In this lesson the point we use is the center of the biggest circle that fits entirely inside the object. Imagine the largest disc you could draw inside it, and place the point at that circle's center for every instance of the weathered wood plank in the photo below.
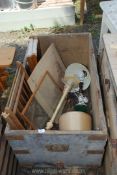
(6, 157)
(99, 122)
(95, 151)
(50, 148)
(10, 164)
(107, 65)
(110, 162)
(21, 151)
(48, 93)
(13, 137)
(6, 161)
(96, 137)
(6, 56)
(110, 42)
(109, 98)
(3, 146)
(50, 58)
(15, 164)
(71, 47)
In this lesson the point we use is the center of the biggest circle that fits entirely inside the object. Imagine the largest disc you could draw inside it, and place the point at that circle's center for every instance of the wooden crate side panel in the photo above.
(6, 161)
(110, 162)
(3, 146)
(70, 149)
(110, 42)
(15, 165)
(110, 103)
(6, 158)
(10, 165)
(99, 122)
(71, 47)
(109, 98)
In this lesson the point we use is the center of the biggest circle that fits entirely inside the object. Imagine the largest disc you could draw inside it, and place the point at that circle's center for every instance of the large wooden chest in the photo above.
(70, 148)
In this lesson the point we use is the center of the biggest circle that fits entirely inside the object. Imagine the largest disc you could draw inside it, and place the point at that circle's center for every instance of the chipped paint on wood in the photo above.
(51, 148)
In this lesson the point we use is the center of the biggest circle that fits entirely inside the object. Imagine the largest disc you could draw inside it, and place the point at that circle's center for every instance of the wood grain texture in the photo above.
(48, 94)
(21, 151)
(70, 148)
(6, 158)
(109, 97)
(3, 146)
(14, 119)
(20, 137)
(99, 122)
(50, 62)
(6, 56)
(10, 164)
(19, 95)
(108, 62)
(15, 164)
(6, 161)
(110, 162)
(72, 48)
(110, 42)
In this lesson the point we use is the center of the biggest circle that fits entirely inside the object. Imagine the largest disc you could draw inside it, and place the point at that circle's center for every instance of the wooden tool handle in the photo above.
(67, 88)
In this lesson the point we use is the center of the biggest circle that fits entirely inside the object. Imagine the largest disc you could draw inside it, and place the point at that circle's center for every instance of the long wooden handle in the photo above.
(49, 125)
